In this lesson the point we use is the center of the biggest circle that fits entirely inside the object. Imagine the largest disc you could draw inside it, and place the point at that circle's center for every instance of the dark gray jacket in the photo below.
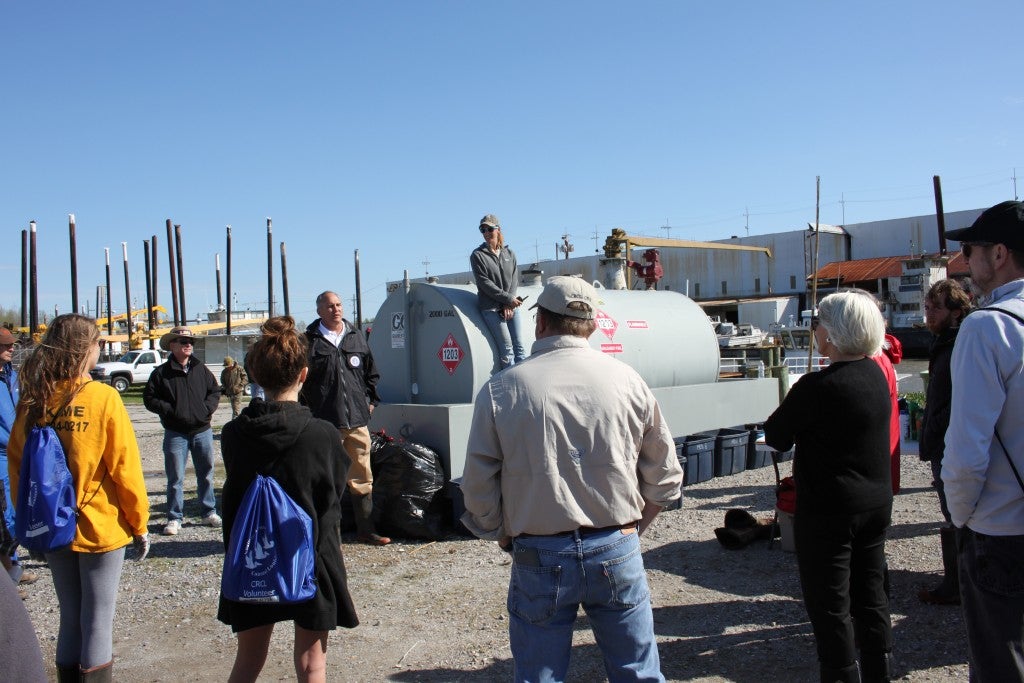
(185, 401)
(497, 277)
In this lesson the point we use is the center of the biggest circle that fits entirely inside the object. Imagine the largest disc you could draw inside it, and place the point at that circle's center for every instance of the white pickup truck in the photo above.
(133, 367)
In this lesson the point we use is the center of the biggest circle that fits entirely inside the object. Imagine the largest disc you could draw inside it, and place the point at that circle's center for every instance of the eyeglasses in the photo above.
(184, 341)
(488, 228)
(968, 247)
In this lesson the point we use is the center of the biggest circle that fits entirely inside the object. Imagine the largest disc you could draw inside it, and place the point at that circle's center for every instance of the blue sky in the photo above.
(392, 127)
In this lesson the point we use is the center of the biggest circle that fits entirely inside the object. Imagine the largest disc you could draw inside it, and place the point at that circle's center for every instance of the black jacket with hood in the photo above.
(185, 401)
(342, 381)
(282, 439)
(939, 398)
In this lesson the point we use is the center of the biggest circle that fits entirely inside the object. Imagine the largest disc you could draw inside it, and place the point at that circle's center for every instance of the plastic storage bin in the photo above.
(759, 454)
(730, 453)
(695, 453)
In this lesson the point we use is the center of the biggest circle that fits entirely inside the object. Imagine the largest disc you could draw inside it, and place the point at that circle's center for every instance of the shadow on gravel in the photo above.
(901, 531)
(176, 549)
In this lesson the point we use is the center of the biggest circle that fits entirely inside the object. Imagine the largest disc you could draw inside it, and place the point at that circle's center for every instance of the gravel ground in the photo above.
(436, 611)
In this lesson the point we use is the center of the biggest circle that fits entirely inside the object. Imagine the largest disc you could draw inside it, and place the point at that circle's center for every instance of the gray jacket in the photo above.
(497, 277)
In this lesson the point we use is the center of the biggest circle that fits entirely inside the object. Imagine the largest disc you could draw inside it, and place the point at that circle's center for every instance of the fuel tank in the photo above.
(432, 346)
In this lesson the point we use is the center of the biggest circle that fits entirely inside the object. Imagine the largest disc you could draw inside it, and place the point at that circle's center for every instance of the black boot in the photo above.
(68, 673)
(847, 674)
(875, 667)
(102, 673)
(366, 532)
(947, 592)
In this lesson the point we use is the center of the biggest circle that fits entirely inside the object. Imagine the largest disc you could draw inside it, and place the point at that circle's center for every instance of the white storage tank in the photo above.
(432, 346)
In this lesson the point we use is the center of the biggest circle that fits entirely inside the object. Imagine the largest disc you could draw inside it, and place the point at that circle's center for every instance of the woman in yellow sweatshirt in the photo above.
(103, 456)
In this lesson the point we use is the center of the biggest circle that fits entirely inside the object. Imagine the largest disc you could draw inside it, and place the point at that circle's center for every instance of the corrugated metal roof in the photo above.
(861, 270)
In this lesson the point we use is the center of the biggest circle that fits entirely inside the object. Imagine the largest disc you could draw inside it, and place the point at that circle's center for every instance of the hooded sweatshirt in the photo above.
(282, 439)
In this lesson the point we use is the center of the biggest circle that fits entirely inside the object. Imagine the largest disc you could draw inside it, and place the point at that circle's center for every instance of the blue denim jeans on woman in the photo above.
(603, 572)
(507, 336)
(176, 449)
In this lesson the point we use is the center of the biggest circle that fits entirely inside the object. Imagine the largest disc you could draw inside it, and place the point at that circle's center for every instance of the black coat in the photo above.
(185, 401)
(305, 456)
(342, 382)
(839, 420)
(939, 397)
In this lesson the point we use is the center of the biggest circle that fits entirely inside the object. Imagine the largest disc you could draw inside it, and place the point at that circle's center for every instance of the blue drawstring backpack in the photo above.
(270, 555)
(46, 516)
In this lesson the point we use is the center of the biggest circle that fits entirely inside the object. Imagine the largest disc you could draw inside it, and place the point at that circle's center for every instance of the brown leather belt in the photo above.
(585, 530)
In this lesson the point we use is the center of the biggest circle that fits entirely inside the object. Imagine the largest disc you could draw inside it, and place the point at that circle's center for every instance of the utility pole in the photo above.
(567, 246)
(746, 220)
(668, 229)
(597, 236)
(426, 267)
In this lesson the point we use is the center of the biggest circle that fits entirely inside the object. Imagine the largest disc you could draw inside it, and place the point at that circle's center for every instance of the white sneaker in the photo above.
(213, 519)
(172, 528)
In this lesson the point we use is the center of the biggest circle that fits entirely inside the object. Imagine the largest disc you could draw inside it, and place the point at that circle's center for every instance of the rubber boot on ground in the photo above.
(875, 667)
(362, 510)
(947, 592)
(847, 674)
(68, 673)
(102, 673)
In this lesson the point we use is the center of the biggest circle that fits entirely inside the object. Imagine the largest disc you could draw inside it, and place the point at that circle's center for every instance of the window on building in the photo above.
(792, 281)
(696, 290)
(725, 287)
(757, 285)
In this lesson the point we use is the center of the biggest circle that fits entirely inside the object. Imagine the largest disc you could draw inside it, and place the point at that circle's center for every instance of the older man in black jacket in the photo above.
(342, 388)
(185, 394)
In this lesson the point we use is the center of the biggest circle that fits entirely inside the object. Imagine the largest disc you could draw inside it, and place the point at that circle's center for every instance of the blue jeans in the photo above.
(9, 510)
(176, 448)
(992, 601)
(507, 335)
(602, 571)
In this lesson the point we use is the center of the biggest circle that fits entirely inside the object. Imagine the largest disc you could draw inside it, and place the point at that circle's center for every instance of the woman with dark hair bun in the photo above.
(280, 437)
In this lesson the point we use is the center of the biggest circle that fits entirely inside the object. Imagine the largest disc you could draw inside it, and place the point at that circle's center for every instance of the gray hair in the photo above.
(853, 321)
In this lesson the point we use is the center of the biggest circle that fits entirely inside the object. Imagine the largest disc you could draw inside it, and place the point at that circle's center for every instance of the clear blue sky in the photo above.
(392, 127)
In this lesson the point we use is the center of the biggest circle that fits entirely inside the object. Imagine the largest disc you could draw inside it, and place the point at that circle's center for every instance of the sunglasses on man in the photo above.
(184, 341)
(968, 247)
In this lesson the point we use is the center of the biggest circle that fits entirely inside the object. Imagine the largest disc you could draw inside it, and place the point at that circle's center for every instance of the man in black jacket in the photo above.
(185, 394)
(341, 387)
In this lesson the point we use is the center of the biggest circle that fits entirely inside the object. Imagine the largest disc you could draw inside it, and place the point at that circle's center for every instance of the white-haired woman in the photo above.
(839, 420)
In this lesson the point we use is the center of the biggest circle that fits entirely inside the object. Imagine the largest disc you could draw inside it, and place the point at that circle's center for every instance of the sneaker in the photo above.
(172, 528)
(213, 519)
(28, 578)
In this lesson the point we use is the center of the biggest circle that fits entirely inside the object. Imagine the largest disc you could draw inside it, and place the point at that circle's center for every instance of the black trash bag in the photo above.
(408, 489)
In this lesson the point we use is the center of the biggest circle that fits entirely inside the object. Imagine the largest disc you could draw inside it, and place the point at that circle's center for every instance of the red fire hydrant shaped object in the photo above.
(651, 271)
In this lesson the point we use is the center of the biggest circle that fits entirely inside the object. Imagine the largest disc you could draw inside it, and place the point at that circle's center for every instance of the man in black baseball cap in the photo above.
(984, 453)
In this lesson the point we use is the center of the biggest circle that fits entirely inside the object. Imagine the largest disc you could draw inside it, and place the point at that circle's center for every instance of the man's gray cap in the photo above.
(561, 290)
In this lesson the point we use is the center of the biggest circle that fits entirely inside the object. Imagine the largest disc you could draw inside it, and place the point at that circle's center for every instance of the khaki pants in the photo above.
(356, 443)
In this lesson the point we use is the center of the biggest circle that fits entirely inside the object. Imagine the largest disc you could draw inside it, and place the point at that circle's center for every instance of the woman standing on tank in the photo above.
(304, 454)
(497, 279)
(103, 457)
(839, 420)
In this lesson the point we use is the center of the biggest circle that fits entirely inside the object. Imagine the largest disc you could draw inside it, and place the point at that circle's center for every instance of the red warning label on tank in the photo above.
(611, 348)
(450, 354)
(606, 324)
(636, 324)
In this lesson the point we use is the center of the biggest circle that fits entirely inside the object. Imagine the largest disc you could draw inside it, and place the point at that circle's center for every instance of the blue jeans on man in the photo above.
(603, 572)
(992, 601)
(176, 450)
(507, 335)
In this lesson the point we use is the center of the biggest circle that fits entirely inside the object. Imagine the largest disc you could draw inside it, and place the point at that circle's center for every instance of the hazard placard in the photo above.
(450, 354)
(606, 324)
